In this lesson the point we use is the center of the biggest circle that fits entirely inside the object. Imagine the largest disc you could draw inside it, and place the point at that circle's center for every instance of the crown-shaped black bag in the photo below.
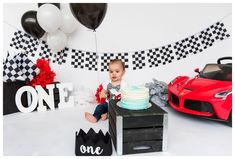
(92, 143)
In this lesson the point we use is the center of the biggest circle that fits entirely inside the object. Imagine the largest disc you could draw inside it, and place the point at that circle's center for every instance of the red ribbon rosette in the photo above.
(118, 97)
(97, 94)
(46, 75)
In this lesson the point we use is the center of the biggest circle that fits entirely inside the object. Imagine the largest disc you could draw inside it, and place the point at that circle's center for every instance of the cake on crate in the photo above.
(138, 131)
(135, 98)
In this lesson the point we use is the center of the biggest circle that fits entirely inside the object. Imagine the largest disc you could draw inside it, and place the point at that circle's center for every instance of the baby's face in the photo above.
(116, 72)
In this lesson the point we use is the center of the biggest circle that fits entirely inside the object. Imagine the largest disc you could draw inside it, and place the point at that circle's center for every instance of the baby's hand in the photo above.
(103, 94)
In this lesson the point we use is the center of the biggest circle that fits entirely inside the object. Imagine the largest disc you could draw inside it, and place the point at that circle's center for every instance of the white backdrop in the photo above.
(126, 28)
(132, 27)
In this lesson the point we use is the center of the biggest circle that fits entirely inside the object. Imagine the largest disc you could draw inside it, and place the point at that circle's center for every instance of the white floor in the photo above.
(53, 133)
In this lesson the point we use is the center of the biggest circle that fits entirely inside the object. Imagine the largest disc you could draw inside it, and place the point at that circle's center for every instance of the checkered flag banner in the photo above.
(24, 42)
(45, 52)
(10, 70)
(91, 61)
(160, 56)
(187, 46)
(60, 57)
(213, 33)
(84, 59)
(27, 67)
(107, 57)
(219, 31)
(138, 60)
(78, 59)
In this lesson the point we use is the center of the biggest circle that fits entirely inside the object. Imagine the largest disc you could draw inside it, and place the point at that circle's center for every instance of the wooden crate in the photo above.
(138, 131)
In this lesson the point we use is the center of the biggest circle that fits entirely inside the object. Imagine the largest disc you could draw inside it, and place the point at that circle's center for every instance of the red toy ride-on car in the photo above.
(209, 94)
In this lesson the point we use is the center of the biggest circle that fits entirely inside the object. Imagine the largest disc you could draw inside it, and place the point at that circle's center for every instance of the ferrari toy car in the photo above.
(208, 94)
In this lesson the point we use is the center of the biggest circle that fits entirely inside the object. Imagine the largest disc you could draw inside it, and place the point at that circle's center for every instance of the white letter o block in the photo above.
(34, 99)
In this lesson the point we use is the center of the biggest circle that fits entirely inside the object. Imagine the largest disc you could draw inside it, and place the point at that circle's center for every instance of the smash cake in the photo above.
(135, 98)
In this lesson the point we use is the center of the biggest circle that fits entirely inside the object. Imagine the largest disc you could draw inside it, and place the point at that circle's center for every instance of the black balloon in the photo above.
(89, 14)
(30, 24)
(56, 4)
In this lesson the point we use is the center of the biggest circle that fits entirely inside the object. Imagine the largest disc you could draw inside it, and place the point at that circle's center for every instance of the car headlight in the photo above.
(223, 94)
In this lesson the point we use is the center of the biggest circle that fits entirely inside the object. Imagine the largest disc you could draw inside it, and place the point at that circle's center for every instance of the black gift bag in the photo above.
(9, 92)
(92, 143)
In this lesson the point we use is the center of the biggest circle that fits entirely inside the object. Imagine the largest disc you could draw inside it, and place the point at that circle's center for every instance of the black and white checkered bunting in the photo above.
(206, 38)
(107, 57)
(25, 42)
(27, 67)
(190, 45)
(77, 58)
(45, 52)
(60, 57)
(91, 61)
(180, 49)
(124, 57)
(105, 60)
(162, 55)
(10, 70)
(193, 44)
(219, 31)
(138, 60)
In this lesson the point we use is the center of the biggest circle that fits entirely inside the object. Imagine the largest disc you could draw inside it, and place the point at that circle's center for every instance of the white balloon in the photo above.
(49, 17)
(56, 40)
(69, 23)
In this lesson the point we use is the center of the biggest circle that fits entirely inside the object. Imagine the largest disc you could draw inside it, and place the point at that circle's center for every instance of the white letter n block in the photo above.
(48, 98)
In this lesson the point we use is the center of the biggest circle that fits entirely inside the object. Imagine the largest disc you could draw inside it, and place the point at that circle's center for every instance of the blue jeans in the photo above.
(100, 109)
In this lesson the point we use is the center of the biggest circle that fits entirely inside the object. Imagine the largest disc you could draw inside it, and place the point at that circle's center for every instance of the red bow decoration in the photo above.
(97, 94)
(46, 75)
(118, 97)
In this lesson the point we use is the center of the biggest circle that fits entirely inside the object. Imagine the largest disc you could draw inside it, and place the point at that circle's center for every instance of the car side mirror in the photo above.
(196, 70)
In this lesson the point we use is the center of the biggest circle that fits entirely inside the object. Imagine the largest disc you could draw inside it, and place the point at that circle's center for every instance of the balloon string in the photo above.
(96, 50)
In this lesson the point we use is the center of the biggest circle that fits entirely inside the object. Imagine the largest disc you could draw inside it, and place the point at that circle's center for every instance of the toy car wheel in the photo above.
(229, 121)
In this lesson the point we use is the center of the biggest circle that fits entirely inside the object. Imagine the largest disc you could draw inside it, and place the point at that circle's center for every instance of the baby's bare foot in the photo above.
(104, 116)
(90, 117)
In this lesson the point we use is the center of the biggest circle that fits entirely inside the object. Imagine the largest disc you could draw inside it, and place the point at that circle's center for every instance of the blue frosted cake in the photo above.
(135, 98)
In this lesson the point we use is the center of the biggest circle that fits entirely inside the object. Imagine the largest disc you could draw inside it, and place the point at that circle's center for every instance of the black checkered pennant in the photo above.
(219, 31)
(138, 60)
(105, 60)
(107, 57)
(11, 70)
(78, 59)
(91, 61)
(25, 42)
(122, 56)
(60, 57)
(45, 52)
(206, 38)
(193, 44)
(190, 45)
(161, 55)
(28, 68)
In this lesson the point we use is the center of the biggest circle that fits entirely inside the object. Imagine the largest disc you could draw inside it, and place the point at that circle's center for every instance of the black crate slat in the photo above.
(113, 137)
(112, 124)
(155, 146)
(143, 121)
(142, 134)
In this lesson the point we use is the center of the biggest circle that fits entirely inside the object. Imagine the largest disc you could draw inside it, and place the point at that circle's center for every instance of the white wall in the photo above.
(133, 27)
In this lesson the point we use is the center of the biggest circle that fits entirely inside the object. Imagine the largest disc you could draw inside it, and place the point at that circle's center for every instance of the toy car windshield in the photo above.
(222, 72)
